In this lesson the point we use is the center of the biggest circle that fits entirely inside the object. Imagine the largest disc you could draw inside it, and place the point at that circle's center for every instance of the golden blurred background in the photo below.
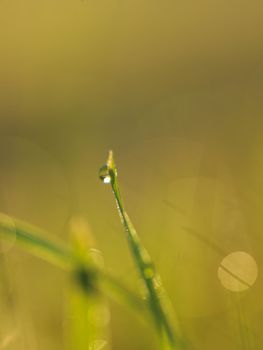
(175, 89)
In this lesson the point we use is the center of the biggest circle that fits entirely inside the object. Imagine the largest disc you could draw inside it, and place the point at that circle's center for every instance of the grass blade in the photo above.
(36, 242)
(155, 292)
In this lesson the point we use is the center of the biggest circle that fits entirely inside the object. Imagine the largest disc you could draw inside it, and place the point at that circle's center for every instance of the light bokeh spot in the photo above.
(238, 271)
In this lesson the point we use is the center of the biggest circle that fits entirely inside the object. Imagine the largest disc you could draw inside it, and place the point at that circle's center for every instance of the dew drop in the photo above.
(98, 344)
(107, 179)
(148, 273)
(142, 289)
(104, 174)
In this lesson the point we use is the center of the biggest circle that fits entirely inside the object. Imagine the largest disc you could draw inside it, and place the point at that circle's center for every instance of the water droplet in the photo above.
(98, 344)
(148, 273)
(104, 174)
(142, 289)
(157, 282)
(107, 179)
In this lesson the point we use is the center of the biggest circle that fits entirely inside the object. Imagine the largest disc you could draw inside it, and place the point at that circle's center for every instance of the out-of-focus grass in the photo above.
(87, 309)
(85, 302)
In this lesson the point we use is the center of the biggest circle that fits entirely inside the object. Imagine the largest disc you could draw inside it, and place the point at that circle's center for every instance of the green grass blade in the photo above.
(145, 266)
(36, 242)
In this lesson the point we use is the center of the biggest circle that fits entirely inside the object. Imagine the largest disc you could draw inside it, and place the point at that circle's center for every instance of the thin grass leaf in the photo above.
(36, 242)
(156, 296)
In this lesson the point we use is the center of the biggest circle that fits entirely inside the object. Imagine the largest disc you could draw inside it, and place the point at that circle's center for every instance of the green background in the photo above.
(175, 89)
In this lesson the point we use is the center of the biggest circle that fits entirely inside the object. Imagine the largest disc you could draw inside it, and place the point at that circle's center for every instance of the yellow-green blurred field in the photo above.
(176, 90)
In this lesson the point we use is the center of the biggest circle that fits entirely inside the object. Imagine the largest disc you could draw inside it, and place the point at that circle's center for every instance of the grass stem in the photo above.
(37, 243)
(155, 292)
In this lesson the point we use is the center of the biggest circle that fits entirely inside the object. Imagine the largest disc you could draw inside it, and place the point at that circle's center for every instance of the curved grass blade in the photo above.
(155, 292)
(36, 242)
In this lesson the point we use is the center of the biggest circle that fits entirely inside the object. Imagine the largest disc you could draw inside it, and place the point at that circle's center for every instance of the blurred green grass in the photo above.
(176, 87)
